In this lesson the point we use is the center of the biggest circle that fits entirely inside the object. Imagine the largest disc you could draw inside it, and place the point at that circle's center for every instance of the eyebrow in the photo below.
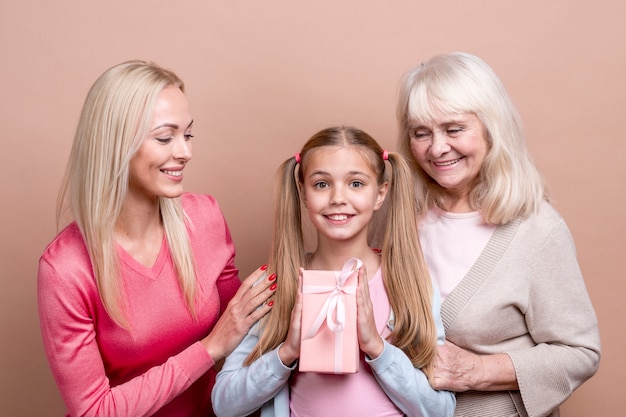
(320, 172)
(172, 125)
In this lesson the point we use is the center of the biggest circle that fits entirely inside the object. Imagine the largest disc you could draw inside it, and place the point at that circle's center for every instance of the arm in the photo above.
(240, 390)
(404, 384)
(71, 345)
(76, 333)
(460, 370)
(563, 325)
(408, 386)
(545, 340)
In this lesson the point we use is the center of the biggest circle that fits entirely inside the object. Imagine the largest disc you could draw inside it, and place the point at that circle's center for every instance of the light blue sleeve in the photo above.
(239, 390)
(408, 386)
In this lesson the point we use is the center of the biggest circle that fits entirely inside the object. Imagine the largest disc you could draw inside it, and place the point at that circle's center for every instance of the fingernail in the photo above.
(263, 267)
(272, 277)
(271, 303)
(273, 287)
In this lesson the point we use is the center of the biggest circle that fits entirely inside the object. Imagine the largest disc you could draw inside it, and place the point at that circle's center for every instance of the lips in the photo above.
(338, 217)
(176, 173)
(446, 163)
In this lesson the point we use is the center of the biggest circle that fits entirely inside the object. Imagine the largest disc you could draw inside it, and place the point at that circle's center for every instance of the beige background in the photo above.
(262, 77)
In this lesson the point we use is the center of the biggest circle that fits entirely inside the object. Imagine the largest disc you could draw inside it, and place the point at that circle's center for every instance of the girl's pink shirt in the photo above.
(361, 395)
(157, 366)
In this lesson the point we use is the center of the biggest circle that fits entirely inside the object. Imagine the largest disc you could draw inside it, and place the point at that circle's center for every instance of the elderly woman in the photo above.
(521, 332)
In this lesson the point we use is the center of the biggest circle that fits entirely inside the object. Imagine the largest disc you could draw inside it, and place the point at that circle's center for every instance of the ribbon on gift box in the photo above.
(333, 310)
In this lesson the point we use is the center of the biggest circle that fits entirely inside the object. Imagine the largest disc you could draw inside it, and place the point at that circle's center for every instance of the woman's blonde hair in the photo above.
(405, 274)
(114, 120)
(509, 184)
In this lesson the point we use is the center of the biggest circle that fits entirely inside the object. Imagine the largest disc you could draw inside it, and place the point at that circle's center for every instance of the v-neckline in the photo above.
(151, 272)
(478, 273)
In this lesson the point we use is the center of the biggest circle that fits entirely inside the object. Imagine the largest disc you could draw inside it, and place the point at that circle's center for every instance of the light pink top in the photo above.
(356, 394)
(451, 243)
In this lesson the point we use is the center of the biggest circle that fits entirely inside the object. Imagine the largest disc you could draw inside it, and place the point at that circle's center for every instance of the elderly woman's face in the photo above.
(452, 150)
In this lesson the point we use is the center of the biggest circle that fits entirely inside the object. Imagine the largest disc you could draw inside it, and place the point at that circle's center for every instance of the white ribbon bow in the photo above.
(333, 310)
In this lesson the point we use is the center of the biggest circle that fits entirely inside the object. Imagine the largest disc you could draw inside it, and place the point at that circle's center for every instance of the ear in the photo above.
(382, 194)
(302, 194)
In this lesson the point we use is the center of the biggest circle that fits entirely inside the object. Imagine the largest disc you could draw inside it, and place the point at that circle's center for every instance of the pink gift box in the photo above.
(329, 341)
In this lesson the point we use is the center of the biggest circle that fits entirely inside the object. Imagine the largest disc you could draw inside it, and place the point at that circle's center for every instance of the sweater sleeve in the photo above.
(408, 386)
(562, 323)
(70, 342)
(240, 390)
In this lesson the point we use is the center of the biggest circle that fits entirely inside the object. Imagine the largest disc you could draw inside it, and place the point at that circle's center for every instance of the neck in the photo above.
(139, 220)
(332, 255)
(457, 204)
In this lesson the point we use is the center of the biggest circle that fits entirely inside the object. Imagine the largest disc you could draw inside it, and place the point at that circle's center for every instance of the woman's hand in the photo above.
(370, 342)
(289, 351)
(459, 370)
(244, 309)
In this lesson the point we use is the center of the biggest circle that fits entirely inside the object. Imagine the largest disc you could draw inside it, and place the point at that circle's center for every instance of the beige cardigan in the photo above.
(525, 296)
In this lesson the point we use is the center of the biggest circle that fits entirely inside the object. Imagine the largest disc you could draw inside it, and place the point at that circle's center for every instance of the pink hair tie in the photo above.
(297, 156)
(385, 155)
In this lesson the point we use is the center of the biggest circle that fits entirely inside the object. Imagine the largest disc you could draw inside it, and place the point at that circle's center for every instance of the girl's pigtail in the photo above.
(286, 257)
(406, 275)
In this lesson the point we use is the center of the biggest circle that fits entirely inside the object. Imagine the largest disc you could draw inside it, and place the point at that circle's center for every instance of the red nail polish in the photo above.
(271, 277)
(271, 303)
(263, 267)
(273, 287)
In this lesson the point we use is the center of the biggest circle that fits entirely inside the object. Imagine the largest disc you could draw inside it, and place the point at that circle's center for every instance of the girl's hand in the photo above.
(289, 351)
(244, 309)
(370, 342)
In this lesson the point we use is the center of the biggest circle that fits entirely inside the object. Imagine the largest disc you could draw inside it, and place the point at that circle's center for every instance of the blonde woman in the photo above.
(139, 295)
(521, 332)
(340, 177)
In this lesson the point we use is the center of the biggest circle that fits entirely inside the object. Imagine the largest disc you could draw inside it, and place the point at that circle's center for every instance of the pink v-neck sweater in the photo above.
(157, 367)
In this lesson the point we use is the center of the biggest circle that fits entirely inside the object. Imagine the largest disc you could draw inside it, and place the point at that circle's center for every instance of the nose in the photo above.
(439, 145)
(182, 149)
(337, 195)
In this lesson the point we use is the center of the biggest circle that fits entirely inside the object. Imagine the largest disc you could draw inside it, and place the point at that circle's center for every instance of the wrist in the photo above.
(287, 355)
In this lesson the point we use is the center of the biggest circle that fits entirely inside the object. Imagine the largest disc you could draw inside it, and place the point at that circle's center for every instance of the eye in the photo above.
(164, 140)
(321, 184)
(454, 130)
(188, 136)
(419, 134)
(356, 184)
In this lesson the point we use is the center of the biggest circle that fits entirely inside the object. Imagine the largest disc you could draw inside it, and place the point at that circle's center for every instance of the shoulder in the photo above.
(67, 247)
(193, 202)
(66, 261)
(546, 225)
(201, 206)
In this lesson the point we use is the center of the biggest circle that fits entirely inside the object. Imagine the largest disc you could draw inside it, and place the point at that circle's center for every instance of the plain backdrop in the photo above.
(263, 76)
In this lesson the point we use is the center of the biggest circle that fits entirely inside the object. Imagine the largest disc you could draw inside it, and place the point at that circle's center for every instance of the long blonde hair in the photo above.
(114, 120)
(509, 184)
(406, 276)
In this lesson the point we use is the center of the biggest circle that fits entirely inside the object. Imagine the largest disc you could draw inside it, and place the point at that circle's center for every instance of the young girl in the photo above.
(340, 177)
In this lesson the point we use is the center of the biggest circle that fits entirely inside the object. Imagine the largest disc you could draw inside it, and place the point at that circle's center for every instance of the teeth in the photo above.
(445, 164)
(174, 173)
(338, 217)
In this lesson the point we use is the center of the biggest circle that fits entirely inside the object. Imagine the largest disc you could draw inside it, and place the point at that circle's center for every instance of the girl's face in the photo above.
(156, 170)
(340, 192)
(452, 150)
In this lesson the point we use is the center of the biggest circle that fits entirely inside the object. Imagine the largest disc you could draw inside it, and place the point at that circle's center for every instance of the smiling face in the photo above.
(341, 192)
(156, 170)
(451, 150)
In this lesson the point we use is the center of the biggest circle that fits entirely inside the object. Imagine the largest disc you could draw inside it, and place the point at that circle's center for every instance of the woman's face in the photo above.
(451, 150)
(156, 170)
